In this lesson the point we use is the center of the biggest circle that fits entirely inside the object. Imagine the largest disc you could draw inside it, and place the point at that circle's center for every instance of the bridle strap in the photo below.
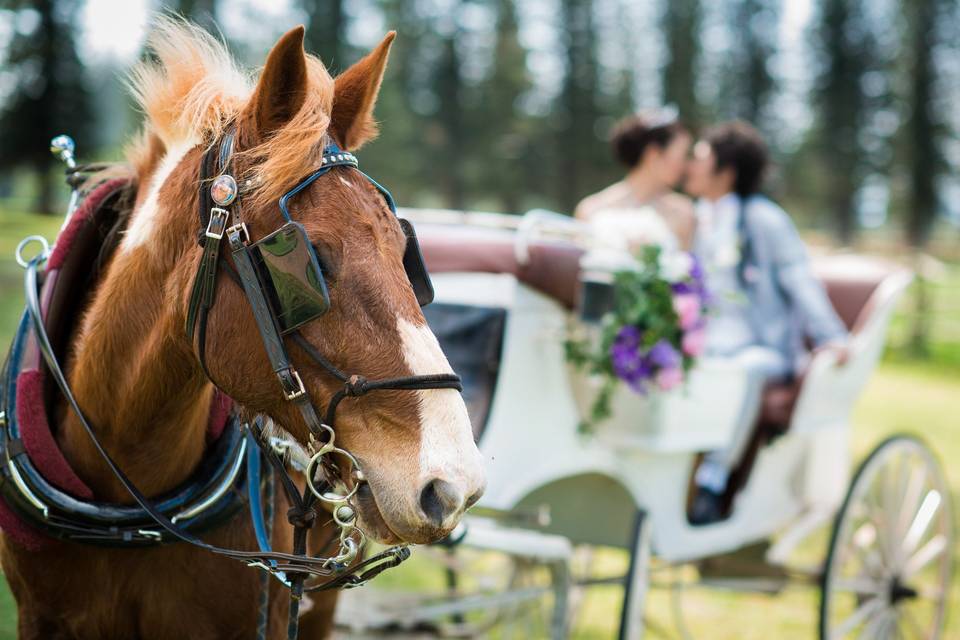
(283, 561)
(244, 273)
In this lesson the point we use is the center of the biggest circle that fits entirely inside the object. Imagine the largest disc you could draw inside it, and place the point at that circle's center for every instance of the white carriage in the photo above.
(506, 292)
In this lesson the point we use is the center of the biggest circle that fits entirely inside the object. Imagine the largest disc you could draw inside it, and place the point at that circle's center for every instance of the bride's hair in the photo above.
(630, 137)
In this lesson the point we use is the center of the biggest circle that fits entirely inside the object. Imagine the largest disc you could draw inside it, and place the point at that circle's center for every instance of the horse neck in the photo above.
(132, 370)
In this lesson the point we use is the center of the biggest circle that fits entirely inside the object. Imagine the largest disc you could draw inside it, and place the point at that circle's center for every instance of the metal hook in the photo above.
(40, 256)
(329, 497)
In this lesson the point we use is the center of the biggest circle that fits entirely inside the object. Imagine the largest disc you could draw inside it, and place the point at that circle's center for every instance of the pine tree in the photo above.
(578, 148)
(927, 24)
(680, 24)
(326, 34)
(506, 132)
(50, 94)
(923, 128)
(749, 84)
(201, 12)
(450, 141)
(848, 51)
(399, 157)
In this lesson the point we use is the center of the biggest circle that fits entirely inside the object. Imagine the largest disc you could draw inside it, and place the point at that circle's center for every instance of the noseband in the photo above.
(279, 308)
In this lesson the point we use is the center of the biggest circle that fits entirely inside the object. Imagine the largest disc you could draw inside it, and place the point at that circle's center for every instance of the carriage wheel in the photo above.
(888, 567)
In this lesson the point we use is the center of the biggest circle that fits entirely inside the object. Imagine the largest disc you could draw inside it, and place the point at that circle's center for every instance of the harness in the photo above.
(283, 281)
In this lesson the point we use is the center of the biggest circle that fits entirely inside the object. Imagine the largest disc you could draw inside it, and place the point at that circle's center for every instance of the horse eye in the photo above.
(326, 262)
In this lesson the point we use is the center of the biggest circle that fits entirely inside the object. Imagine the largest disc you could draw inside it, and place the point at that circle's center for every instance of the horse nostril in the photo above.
(439, 500)
(472, 500)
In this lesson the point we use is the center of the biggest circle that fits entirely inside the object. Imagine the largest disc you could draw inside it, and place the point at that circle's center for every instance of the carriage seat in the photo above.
(851, 282)
(551, 267)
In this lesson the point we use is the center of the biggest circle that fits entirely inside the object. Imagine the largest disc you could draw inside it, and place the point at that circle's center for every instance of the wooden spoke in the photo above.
(928, 509)
(862, 614)
(927, 554)
(859, 585)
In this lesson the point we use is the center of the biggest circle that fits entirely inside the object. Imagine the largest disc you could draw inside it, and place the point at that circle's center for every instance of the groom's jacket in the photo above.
(787, 303)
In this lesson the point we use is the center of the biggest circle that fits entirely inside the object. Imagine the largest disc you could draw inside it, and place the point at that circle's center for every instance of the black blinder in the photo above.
(291, 276)
(415, 267)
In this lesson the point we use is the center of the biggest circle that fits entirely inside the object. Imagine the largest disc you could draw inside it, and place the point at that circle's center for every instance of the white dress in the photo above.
(629, 229)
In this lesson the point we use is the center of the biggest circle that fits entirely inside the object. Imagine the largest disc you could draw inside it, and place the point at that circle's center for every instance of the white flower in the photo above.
(608, 261)
(727, 256)
(675, 265)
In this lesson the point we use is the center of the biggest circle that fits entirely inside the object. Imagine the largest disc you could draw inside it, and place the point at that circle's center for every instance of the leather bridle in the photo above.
(323, 475)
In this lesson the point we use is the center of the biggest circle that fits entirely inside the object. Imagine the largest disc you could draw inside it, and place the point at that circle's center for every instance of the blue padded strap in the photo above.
(333, 156)
(256, 506)
(383, 191)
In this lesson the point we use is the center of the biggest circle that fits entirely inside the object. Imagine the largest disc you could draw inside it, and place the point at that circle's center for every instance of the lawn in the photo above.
(923, 398)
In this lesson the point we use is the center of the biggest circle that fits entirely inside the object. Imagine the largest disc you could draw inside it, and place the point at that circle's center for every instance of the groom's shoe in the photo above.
(707, 507)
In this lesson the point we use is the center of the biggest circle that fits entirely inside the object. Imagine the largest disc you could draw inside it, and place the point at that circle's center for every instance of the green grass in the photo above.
(922, 397)
(14, 226)
(899, 398)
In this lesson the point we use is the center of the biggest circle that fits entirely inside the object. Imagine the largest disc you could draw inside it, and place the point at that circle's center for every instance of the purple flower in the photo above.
(663, 355)
(695, 283)
(628, 363)
(696, 270)
(628, 335)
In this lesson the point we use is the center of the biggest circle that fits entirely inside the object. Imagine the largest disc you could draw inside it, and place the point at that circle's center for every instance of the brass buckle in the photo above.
(294, 377)
(218, 223)
(241, 230)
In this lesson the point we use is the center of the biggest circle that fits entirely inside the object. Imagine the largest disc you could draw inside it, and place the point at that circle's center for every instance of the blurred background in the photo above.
(505, 105)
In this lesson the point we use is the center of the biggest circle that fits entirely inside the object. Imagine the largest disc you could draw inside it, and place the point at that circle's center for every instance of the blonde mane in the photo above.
(191, 91)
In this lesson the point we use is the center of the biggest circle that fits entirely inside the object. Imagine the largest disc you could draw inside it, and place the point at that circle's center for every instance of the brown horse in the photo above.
(139, 381)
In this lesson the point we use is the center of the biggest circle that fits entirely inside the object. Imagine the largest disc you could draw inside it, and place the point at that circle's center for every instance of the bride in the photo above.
(643, 208)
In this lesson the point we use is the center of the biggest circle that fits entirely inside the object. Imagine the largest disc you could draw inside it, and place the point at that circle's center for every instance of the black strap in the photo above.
(284, 561)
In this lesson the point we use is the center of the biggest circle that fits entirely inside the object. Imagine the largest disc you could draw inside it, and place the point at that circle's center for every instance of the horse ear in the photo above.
(355, 93)
(282, 88)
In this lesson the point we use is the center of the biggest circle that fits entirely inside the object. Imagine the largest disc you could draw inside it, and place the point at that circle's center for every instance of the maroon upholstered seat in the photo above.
(552, 268)
(851, 282)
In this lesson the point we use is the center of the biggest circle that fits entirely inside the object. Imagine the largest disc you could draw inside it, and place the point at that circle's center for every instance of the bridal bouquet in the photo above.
(655, 330)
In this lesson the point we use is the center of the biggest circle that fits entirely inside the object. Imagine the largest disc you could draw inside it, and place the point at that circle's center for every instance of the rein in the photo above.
(322, 474)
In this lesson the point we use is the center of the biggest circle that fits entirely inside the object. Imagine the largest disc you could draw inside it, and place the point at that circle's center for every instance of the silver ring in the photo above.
(26, 242)
(329, 497)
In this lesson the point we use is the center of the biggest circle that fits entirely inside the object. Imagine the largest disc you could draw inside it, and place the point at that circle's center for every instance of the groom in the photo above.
(766, 299)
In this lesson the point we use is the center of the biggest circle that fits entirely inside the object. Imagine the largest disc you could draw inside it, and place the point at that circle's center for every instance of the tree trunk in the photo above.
(45, 189)
(919, 344)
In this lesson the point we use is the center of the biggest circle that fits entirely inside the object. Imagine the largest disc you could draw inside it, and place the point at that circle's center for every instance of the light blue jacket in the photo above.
(787, 303)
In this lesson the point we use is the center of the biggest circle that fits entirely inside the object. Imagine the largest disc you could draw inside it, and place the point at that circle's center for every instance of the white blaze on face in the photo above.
(447, 450)
(144, 223)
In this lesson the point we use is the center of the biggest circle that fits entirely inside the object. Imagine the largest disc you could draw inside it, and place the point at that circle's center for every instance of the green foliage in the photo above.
(202, 12)
(642, 299)
(749, 83)
(848, 53)
(49, 95)
(326, 22)
(680, 24)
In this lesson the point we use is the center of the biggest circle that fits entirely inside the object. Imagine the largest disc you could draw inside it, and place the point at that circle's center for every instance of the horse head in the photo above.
(421, 466)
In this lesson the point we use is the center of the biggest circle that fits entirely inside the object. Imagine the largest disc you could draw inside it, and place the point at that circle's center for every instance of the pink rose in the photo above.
(687, 307)
(694, 342)
(669, 378)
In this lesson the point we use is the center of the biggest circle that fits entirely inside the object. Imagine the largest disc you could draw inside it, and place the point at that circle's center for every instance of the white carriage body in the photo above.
(642, 458)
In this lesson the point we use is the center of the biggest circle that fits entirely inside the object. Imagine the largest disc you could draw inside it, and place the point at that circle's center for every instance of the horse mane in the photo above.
(191, 90)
